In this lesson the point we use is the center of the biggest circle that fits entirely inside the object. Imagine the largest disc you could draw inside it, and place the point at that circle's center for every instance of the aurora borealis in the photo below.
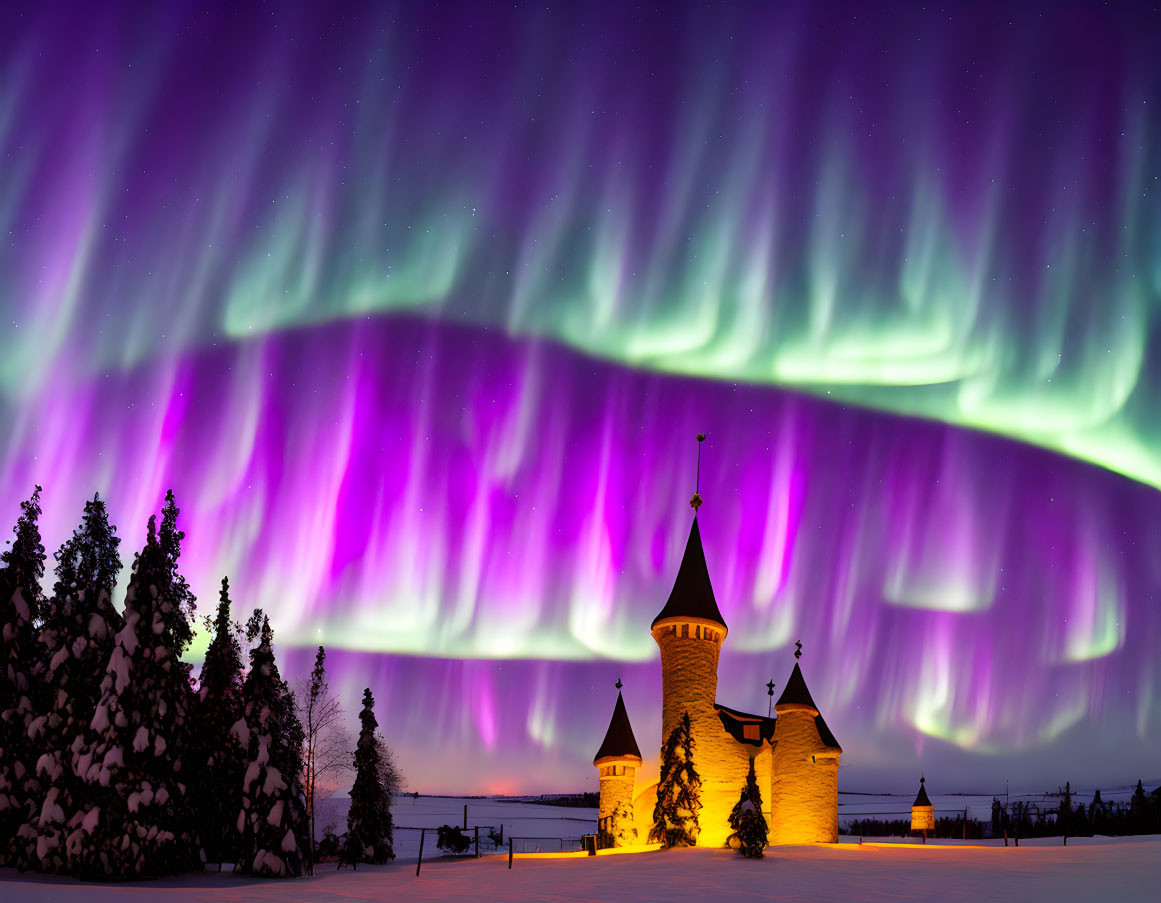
(418, 310)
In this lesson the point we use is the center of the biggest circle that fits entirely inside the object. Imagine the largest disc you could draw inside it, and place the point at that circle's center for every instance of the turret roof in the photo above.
(619, 739)
(921, 798)
(692, 595)
(825, 735)
(796, 692)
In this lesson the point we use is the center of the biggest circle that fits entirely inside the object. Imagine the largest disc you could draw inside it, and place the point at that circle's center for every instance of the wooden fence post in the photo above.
(509, 852)
(419, 861)
(477, 841)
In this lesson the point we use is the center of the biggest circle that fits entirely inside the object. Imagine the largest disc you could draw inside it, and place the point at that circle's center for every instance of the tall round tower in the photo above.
(617, 762)
(804, 784)
(690, 630)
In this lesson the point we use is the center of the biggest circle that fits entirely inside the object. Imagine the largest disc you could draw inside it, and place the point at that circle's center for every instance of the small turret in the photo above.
(804, 785)
(922, 812)
(617, 762)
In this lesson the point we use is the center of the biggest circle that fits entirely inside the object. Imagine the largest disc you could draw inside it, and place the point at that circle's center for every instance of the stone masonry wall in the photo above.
(804, 790)
(618, 790)
(689, 684)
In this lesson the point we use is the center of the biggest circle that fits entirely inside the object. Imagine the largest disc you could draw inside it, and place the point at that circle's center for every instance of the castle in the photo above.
(796, 757)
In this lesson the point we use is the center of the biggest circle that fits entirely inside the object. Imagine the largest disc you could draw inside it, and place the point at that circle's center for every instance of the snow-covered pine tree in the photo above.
(76, 640)
(135, 819)
(678, 791)
(369, 825)
(221, 759)
(621, 831)
(178, 591)
(21, 604)
(273, 812)
(750, 831)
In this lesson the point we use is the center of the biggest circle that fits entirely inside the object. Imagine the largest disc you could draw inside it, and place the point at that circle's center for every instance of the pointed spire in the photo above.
(692, 595)
(619, 741)
(796, 695)
(921, 798)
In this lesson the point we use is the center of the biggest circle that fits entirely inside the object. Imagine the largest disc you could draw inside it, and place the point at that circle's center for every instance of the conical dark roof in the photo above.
(921, 798)
(619, 739)
(796, 692)
(692, 595)
(825, 735)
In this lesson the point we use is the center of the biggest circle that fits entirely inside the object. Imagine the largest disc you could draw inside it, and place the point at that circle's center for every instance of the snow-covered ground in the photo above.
(535, 827)
(1042, 869)
(1121, 870)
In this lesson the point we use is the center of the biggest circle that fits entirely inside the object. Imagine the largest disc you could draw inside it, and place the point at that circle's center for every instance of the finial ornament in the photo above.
(619, 684)
(921, 779)
(798, 650)
(770, 687)
(695, 502)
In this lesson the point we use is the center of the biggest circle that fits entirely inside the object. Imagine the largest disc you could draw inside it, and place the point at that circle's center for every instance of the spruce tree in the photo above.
(76, 640)
(369, 825)
(747, 822)
(21, 605)
(221, 759)
(273, 814)
(675, 821)
(1139, 810)
(135, 821)
(1097, 813)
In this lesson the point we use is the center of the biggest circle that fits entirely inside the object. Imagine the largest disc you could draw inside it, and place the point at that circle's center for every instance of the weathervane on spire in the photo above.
(695, 502)
(770, 693)
(619, 684)
(798, 650)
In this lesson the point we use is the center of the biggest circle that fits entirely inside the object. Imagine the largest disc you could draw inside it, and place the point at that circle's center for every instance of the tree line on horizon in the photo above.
(116, 763)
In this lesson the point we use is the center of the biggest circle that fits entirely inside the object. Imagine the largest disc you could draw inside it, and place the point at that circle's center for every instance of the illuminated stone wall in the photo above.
(617, 777)
(922, 818)
(804, 788)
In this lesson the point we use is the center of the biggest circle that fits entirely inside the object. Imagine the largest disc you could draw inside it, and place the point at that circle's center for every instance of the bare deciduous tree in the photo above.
(328, 744)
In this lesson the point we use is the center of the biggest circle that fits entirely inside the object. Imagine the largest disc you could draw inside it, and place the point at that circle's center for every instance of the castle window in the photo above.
(750, 731)
(685, 630)
(697, 632)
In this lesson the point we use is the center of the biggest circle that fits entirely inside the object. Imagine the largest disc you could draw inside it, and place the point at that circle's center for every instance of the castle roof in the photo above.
(796, 693)
(825, 735)
(921, 798)
(619, 739)
(692, 595)
(735, 722)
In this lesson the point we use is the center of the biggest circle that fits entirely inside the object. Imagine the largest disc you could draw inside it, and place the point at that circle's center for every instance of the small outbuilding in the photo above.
(922, 812)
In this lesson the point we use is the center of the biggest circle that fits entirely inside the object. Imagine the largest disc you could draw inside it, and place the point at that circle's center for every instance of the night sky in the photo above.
(418, 309)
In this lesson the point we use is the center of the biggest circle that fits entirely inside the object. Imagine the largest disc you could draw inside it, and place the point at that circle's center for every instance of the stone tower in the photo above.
(922, 812)
(804, 786)
(617, 762)
(690, 631)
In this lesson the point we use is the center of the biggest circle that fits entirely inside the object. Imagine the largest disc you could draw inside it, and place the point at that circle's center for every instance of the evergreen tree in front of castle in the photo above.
(135, 819)
(619, 830)
(76, 640)
(21, 604)
(369, 824)
(749, 827)
(273, 807)
(221, 759)
(675, 816)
